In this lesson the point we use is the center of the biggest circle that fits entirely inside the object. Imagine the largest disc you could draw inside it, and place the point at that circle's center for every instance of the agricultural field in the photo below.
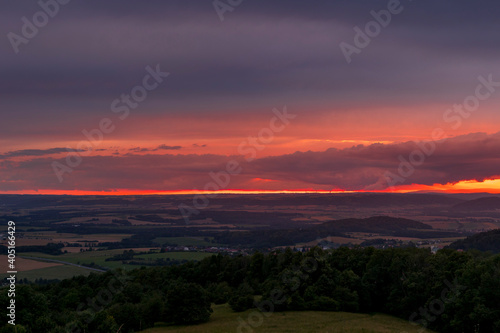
(175, 255)
(186, 241)
(34, 237)
(225, 320)
(58, 272)
(40, 269)
(24, 264)
(84, 258)
(36, 269)
(333, 239)
(87, 257)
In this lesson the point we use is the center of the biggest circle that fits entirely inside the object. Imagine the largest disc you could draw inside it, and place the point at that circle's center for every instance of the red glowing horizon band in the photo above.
(491, 186)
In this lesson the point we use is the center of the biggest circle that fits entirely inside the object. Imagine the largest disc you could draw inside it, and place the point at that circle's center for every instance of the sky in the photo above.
(124, 96)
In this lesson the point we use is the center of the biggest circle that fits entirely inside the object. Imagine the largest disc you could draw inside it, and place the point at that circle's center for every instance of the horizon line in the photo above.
(122, 192)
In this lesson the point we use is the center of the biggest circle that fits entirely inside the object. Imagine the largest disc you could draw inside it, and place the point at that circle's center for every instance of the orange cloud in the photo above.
(463, 186)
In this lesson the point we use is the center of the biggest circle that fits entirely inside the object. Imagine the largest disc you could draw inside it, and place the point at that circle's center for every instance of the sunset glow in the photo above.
(467, 186)
(273, 91)
(464, 186)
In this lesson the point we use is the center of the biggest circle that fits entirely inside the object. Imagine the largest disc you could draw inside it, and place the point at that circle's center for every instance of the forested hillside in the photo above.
(484, 241)
(386, 225)
(449, 292)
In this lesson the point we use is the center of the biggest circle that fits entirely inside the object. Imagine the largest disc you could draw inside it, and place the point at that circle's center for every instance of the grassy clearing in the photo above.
(224, 320)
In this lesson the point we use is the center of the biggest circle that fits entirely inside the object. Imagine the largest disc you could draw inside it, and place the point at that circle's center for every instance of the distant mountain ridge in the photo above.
(384, 225)
(334, 199)
(374, 224)
(480, 204)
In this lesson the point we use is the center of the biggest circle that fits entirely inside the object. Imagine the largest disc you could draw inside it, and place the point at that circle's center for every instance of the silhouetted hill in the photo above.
(334, 199)
(484, 241)
(384, 225)
(486, 203)
(375, 224)
(339, 199)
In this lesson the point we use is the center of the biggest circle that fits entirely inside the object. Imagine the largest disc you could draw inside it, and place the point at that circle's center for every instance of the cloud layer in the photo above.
(225, 77)
(473, 156)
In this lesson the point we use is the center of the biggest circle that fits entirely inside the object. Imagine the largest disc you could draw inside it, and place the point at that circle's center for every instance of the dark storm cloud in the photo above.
(35, 152)
(99, 49)
(458, 12)
(160, 147)
(472, 156)
(165, 147)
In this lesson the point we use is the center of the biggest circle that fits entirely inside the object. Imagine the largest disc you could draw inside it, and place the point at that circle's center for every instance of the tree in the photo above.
(242, 299)
(13, 329)
(103, 323)
(151, 309)
(127, 315)
(43, 324)
(187, 303)
(220, 292)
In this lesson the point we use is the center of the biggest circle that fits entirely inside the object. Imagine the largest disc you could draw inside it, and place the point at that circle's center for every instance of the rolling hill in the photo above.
(484, 241)
(384, 225)
(480, 204)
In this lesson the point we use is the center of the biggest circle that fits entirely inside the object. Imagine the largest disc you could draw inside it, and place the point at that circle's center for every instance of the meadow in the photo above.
(224, 320)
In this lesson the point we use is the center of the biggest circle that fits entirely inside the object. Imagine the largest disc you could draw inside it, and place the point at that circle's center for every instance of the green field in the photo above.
(98, 258)
(184, 241)
(224, 320)
(176, 255)
(50, 273)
